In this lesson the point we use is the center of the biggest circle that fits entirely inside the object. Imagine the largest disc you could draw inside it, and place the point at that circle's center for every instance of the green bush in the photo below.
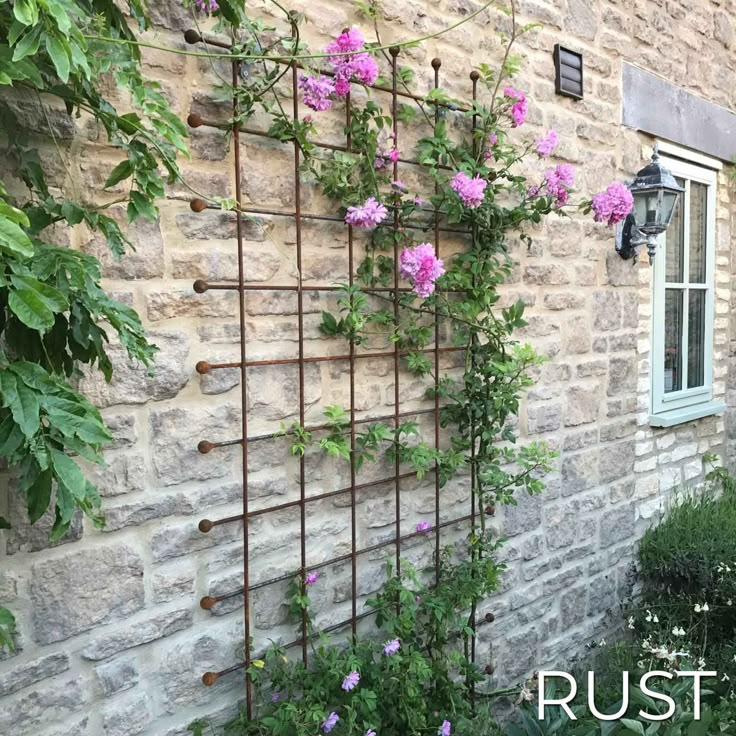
(688, 562)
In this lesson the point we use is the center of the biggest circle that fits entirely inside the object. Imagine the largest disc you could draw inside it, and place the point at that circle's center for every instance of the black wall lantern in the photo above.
(655, 191)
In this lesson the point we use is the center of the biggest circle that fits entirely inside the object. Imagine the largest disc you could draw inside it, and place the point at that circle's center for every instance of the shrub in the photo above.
(688, 562)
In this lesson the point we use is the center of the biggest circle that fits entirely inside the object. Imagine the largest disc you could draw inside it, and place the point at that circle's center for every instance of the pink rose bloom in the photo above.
(423, 527)
(558, 182)
(423, 268)
(369, 214)
(470, 191)
(547, 144)
(520, 107)
(361, 66)
(392, 155)
(613, 205)
(317, 92)
(350, 40)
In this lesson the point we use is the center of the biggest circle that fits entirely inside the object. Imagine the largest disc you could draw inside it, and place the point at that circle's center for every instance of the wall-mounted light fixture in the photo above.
(655, 191)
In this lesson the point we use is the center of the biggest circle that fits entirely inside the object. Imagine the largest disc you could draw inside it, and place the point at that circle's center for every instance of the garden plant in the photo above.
(489, 180)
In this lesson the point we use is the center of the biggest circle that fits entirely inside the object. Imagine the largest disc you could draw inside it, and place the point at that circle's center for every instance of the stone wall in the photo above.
(111, 637)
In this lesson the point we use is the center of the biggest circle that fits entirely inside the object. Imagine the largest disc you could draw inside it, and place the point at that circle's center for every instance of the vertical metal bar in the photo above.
(436, 64)
(300, 317)
(243, 392)
(474, 76)
(353, 500)
(394, 51)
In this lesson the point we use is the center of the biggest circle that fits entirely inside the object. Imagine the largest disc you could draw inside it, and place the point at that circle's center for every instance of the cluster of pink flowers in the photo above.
(520, 107)
(470, 191)
(444, 729)
(369, 214)
(352, 63)
(207, 6)
(613, 205)
(547, 143)
(421, 266)
(318, 92)
(557, 184)
(311, 578)
(356, 63)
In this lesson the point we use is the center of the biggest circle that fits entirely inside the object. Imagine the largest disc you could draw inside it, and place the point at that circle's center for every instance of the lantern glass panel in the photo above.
(669, 201)
(645, 208)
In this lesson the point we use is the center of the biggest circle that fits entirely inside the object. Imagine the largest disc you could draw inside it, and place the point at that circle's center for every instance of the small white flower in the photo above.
(631, 622)
(678, 631)
(698, 609)
(725, 678)
(701, 663)
(729, 602)
(705, 607)
(655, 619)
(648, 619)
(602, 643)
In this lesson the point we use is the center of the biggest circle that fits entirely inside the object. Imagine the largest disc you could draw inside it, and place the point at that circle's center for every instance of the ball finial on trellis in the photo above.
(192, 36)
(202, 367)
(205, 526)
(194, 120)
(205, 446)
(475, 75)
(197, 205)
(207, 602)
(209, 678)
(436, 62)
(394, 50)
(200, 286)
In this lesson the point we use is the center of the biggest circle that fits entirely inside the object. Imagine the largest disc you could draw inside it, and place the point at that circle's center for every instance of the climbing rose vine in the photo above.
(420, 679)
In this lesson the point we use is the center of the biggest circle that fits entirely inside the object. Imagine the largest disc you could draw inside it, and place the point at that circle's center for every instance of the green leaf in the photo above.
(25, 408)
(14, 239)
(58, 50)
(39, 495)
(69, 473)
(140, 205)
(35, 303)
(26, 12)
(57, 12)
(632, 725)
(122, 171)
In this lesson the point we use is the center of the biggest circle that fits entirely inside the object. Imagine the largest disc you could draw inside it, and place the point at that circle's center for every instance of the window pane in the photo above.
(674, 244)
(698, 205)
(672, 340)
(696, 338)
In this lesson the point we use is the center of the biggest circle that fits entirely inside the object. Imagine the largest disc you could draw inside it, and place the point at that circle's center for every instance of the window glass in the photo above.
(697, 244)
(673, 340)
(696, 338)
(674, 244)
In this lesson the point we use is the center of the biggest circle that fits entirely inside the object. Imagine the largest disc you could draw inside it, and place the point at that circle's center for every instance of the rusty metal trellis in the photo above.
(394, 292)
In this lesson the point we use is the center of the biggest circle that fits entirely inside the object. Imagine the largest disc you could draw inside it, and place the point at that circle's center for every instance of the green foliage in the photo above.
(689, 560)
(54, 315)
(413, 690)
(7, 628)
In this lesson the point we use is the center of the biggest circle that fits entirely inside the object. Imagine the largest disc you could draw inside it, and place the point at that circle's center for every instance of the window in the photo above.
(682, 330)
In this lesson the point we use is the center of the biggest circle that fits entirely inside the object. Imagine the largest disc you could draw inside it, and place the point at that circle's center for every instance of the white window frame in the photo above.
(668, 409)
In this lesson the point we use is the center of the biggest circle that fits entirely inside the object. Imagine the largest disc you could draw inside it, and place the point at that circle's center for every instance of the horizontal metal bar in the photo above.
(199, 205)
(191, 36)
(195, 120)
(203, 367)
(210, 678)
(206, 446)
(206, 525)
(209, 601)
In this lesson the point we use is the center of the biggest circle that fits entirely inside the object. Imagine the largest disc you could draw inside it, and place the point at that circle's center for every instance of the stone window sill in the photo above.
(686, 414)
